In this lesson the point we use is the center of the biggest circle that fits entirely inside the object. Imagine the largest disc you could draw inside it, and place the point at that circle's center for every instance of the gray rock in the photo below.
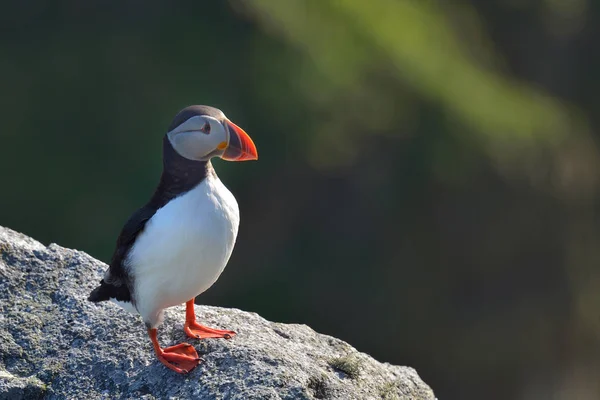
(55, 344)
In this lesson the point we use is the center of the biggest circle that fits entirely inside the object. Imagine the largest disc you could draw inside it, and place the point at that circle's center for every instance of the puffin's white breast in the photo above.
(184, 247)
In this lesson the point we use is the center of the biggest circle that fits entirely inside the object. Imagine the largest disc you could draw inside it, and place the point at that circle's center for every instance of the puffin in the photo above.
(177, 245)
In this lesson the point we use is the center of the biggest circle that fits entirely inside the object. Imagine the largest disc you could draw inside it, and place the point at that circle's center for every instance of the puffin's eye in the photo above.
(206, 128)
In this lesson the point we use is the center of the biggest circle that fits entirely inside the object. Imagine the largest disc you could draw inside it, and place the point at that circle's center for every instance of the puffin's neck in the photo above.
(180, 175)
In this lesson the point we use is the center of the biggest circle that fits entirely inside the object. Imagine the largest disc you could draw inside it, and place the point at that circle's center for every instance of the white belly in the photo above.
(183, 248)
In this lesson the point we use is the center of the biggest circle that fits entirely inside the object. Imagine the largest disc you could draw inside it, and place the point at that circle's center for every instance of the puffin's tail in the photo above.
(101, 293)
(111, 291)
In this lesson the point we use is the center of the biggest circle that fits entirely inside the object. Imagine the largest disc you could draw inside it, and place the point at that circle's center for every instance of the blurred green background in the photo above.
(428, 179)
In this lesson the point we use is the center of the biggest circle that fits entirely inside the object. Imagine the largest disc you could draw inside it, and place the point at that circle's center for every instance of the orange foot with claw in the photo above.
(194, 330)
(181, 358)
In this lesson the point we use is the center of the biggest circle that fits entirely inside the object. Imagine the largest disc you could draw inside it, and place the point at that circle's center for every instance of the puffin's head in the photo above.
(199, 133)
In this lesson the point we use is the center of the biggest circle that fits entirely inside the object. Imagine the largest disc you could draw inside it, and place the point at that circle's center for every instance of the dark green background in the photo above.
(428, 179)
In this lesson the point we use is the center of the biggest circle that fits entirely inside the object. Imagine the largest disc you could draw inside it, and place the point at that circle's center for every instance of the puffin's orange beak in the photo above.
(240, 147)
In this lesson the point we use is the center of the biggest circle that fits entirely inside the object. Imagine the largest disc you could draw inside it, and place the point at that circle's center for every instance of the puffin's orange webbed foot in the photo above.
(181, 358)
(194, 330)
(197, 331)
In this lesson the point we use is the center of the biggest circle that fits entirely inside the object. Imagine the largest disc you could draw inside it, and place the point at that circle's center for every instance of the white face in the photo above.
(199, 138)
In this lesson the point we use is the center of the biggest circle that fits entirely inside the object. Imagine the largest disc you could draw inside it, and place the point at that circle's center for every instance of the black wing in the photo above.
(117, 283)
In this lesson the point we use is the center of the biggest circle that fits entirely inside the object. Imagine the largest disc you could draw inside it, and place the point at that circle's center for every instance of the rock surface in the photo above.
(55, 345)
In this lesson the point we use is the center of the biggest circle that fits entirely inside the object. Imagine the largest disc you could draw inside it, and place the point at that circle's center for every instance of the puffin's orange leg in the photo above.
(194, 330)
(180, 358)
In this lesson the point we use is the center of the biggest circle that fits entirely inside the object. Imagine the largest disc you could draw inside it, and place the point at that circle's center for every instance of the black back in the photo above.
(179, 176)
